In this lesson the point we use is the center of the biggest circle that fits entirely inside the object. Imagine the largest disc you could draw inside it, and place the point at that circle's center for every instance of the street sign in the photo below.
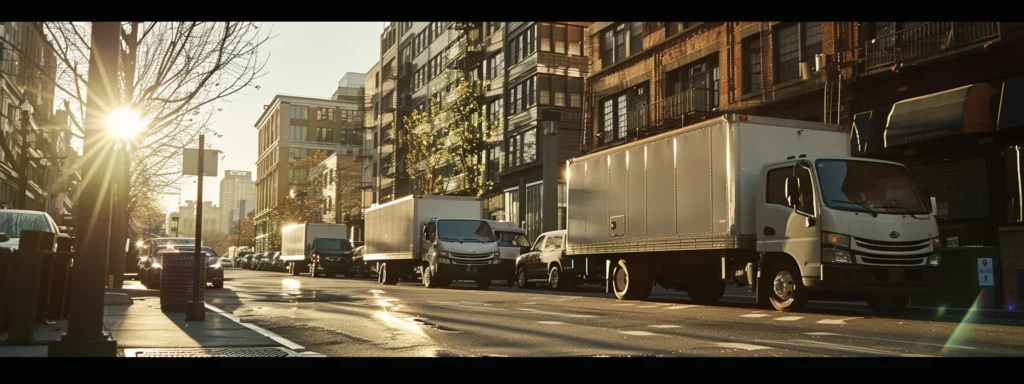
(190, 162)
(986, 274)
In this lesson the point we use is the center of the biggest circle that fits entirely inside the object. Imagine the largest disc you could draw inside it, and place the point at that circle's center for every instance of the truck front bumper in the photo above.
(335, 263)
(864, 279)
(472, 272)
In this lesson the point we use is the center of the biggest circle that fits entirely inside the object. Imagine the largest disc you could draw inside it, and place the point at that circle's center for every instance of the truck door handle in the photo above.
(769, 231)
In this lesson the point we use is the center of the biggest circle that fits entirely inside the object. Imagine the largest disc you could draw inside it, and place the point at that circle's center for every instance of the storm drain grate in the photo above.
(210, 352)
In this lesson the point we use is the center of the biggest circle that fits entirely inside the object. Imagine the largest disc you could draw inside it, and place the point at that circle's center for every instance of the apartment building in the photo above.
(379, 167)
(187, 219)
(340, 201)
(291, 128)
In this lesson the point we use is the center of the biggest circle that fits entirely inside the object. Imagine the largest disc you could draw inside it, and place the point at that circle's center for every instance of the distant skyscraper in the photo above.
(236, 187)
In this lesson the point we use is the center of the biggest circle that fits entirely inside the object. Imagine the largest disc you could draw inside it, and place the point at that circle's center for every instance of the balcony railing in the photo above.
(926, 40)
(669, 110)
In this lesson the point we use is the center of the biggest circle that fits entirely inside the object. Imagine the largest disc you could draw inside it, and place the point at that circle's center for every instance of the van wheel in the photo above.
(522, 279)
(787, 291)
(889, 305)
(387, 276)
(428, 278)
(556, 280)
(632, 281)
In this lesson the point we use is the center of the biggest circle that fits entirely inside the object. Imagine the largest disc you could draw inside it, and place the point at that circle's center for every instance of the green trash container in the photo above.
(960, 283)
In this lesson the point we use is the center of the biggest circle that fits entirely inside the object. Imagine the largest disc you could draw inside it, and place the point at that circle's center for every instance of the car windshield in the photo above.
(12, 223)
(512, 239)
(333, 245)
(465, 230)
(880, 187)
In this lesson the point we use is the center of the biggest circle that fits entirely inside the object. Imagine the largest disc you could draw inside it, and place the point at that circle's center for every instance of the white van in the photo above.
(512, 242)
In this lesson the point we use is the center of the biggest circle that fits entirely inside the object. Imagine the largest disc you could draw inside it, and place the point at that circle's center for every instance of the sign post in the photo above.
(194, 164)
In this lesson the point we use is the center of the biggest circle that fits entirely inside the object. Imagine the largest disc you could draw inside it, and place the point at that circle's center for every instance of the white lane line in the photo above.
(754, 315)
(681, 306)
(888, 340)
(271, 335)
(748, 347)
(822, 334)
(556, 313)
(624, 305)
(835, 347)
(551, 322)
(664, 326)
(638, 333)
(789, 318)
(914, 355)
(831, 321)
(531, 303)
(650, 306)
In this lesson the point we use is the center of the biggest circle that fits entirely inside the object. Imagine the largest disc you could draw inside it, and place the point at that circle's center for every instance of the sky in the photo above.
(305, 58)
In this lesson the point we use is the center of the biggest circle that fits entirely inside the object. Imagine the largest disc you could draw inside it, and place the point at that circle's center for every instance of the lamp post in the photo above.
(124, 124)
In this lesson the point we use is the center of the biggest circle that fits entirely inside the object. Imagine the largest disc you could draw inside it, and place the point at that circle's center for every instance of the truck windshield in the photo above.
(880, 187)
(465, 230)
(512, 239)
(333, 245)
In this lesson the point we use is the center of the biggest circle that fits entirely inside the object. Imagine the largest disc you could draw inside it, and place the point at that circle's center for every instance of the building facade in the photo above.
(291, 128)
(340, 200)
(187, 219)
(237, 192)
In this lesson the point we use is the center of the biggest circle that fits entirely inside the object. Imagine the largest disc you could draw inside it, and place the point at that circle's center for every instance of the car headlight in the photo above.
(216, 266)
(836, 256)
(934, 260)
(156, 265)
(835, 239)
(937, 243)
(496, 254)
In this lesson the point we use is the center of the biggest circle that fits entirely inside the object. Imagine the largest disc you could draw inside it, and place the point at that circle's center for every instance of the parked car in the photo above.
(153, 269)
(13, 221)
(359, 267)
(226, 262)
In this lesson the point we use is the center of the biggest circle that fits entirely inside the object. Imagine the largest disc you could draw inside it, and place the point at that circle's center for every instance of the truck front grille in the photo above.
(893, 246)
(465, 258)
(892, 260)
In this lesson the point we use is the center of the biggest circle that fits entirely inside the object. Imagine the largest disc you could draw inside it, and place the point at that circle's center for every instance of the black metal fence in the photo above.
(926, 40)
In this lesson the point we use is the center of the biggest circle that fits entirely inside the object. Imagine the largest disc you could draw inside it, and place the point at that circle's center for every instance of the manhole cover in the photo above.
(210, 352)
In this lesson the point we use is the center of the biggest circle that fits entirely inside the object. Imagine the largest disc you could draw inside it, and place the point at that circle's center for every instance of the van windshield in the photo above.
(881, 187)
(512, 239)
(465, 230)
(333, 245)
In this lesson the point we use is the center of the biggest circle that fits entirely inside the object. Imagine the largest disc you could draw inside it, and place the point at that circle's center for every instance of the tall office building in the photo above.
(236, 189)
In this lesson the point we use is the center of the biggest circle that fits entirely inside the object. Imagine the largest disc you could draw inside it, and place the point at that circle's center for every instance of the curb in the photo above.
(135, 292)
(929, 311)
(271, 335)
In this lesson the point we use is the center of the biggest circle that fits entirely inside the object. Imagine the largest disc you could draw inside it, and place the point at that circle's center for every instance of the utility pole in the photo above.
(85, 335)
(122, 172)
(197, 306)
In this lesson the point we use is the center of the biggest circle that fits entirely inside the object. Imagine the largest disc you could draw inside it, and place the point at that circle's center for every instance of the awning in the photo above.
(1011, 104)
(958, 111)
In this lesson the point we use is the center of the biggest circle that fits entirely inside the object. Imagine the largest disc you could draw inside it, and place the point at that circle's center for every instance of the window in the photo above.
(529, 87)
(513, 51)
(299, 153)
(608, 122)
(522, 148)
(534, 212)
(523, 96)
(615, 111)
(495, 66)
(776, 189)
(561, 37)
(636, 37)
(325, 135)
(494, 111)
(554, 242)
(529, 146)
(513, 105)
(575, 92)
(530, 35)
(298, 132)
(795, 43)
(299, 112)
(620, 41)
(621, 114)
(752, 65)
(575, 40)
(327, 114)
(696, 86)
(805, 189)
(545, 36)
(544, 88)
(494, 163)
(620, 44)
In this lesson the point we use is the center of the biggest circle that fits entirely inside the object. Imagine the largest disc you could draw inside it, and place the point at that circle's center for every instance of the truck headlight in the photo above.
(496, 254)
(937, 243)
(441, 253)
(934, 260)
(835, 239)
(836, 256)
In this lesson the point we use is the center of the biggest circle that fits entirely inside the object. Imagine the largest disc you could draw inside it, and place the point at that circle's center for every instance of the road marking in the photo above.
(664, 326)
(822, 334)
(836, 347)
(551, 322)
(529, 303)
(650, 306)
(831, 321)
(888, 340)
(748, 347)
(789, 318)
(681, 306)
(914, 355)
(556, 313)
(755, 315)
(271, 335)
(638, 333)
(624, 305)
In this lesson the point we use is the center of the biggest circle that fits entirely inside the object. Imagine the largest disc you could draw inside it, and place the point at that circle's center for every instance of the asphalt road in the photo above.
(359, 317)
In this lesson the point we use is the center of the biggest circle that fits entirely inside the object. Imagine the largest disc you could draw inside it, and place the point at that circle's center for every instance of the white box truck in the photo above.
(440, 238)
(320, 249)
(775, 204)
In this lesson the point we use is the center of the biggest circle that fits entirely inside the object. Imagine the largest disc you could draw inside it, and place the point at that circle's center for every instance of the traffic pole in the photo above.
(197, 307)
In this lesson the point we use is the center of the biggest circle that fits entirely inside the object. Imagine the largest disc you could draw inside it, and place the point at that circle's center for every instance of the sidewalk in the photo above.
(133, 317)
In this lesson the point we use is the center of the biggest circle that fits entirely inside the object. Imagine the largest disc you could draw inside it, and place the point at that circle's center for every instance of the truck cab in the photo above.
(512, 242)
(459, 249)
(843, 228)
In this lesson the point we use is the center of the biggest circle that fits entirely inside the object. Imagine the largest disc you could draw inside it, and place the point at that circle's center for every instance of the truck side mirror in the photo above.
(809, 222)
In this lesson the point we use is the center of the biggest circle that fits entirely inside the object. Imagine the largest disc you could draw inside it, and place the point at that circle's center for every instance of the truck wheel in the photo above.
(387, 275)
(787, 292)
(522, 279)
(483, 284)
(293, 268)
(888, 305)
(632, 282)
(708, 291)
(428, 278)
(556, 280)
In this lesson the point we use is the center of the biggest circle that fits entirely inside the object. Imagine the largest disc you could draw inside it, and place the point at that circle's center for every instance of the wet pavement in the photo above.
(359, 317)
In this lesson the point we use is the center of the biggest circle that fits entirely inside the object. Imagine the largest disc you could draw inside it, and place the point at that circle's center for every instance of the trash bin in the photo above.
(177, 283)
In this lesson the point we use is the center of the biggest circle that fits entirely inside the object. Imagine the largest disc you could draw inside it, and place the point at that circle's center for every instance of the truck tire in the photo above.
(428, 278)
(388, 275)
(708, 290)
(483, 284)
(522, 279)
(556, 280)
(787, 292)
(888, 305)
(293, 268)
(632, 282)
